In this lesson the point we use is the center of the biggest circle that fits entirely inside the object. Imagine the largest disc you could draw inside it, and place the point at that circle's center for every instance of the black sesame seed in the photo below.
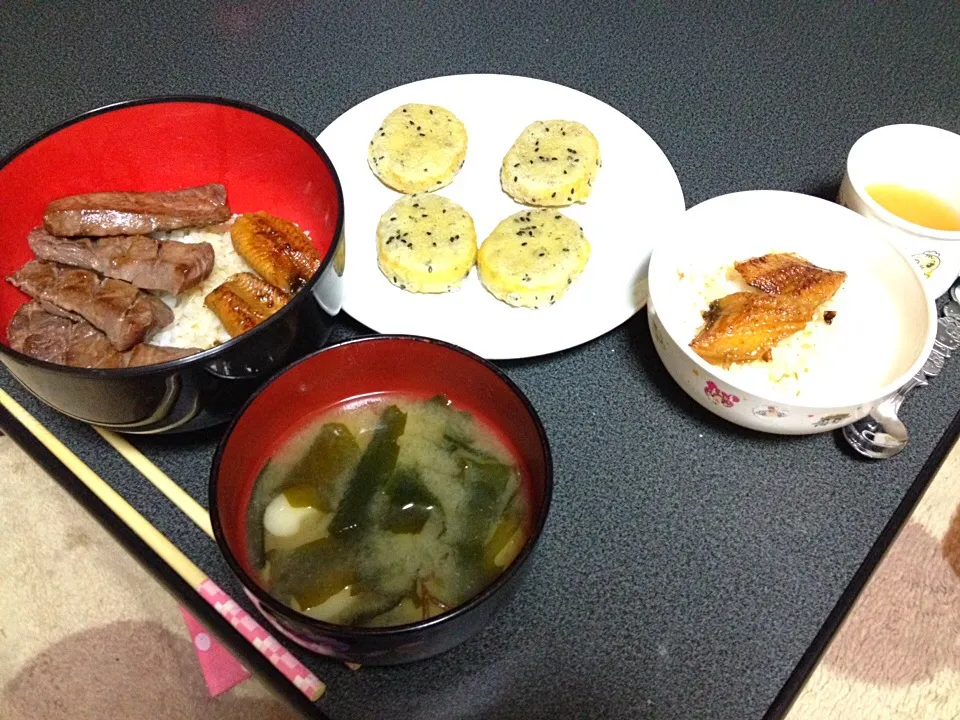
(569, 281)
(541, 254)
(412, 122)
(423, 215)
(451, 239)
(569, 199)
(553, 158)
(394, 217)
(572, 190)
(429, 233)
(424, 169)
(416, 204)
(431, 112)
(556, 217)
(394, 278)
(564, 172)
(572, 151)
(514, 178)
(418, 127)
(381, 135)
(523, 244)
(429, 268)
(566, 249)
(554, 195)
(520, 232)
(444, 210)
(456, 237)
(403, 287)
(404, 110)
(434, 244)
(531, 162)
(440, 183)
(389, 241)
(516, 164)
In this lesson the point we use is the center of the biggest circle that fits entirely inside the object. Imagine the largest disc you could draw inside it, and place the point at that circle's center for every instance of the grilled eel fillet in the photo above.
(244, 301)
(277, 249)
(746, 326)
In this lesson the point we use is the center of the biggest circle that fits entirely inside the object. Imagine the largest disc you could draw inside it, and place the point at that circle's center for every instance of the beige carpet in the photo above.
(86, 633)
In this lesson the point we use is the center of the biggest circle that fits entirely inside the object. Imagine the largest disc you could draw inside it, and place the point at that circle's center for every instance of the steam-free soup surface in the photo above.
(387, 513)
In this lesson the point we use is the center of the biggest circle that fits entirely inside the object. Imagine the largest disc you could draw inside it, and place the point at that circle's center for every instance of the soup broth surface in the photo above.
(385, 512)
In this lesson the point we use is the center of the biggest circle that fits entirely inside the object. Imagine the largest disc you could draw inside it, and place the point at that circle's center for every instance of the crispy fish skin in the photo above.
(276, 248)
(788, 274)
(258, 293)
(746, 326)
(244, 301)
(237, 317)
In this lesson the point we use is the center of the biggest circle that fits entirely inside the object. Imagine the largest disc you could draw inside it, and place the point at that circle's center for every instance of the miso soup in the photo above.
(387, 512)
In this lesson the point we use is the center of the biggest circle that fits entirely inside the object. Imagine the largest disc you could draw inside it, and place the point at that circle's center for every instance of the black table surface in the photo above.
(687, 565)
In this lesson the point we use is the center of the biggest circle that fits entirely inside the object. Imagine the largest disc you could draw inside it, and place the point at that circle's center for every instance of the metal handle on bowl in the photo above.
(882, 434)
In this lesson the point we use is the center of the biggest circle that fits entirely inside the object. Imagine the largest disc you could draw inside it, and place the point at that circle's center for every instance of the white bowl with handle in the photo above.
(824, 377)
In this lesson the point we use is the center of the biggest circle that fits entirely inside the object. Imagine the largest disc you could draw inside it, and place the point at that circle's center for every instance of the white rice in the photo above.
(194, 325)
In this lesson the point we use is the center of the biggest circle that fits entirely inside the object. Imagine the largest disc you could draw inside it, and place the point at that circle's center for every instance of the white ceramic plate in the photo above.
(635, 198)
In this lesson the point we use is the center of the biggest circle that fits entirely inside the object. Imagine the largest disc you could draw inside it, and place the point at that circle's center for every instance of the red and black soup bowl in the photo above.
(355, 370)
(265, 161)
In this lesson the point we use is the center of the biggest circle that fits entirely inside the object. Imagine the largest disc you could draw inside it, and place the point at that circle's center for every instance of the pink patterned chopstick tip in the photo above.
(281, 658)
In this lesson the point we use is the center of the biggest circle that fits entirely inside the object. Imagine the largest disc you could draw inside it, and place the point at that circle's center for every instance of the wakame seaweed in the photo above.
(409, 503)
(374, 469)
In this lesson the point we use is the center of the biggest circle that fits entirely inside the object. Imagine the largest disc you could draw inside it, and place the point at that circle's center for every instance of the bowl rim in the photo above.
(217, 351)
(655, 280)
(858, 186)
(346, 631)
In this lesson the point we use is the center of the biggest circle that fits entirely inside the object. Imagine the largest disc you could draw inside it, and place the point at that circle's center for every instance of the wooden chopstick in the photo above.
(160, 480)
(166, 485)
(282, 659)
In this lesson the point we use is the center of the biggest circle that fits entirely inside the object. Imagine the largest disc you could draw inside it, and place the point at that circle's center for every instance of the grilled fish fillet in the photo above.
(244, 301)
(746, 326)
(787, 274)
(276, 248)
